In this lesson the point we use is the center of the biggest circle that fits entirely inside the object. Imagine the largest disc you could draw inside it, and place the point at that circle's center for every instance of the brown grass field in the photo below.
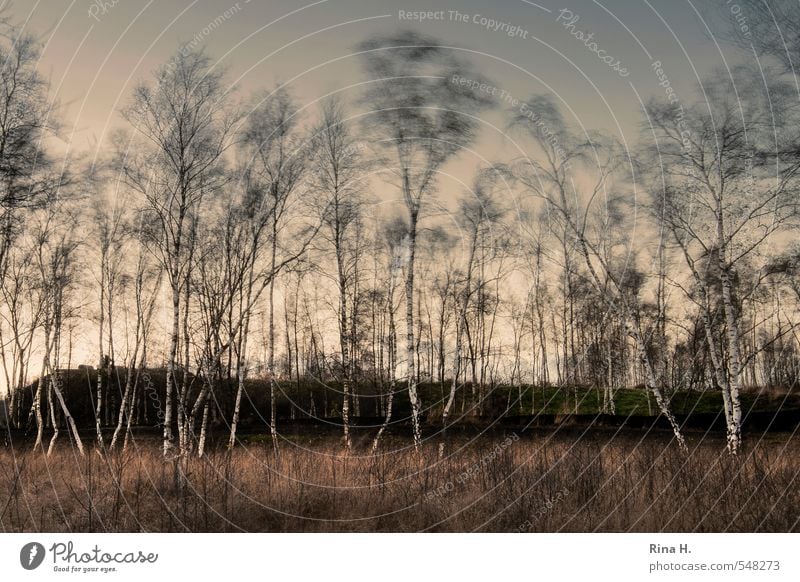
(533, 481)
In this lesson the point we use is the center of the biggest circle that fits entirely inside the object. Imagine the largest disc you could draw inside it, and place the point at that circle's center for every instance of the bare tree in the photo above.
(56, 244)
(723, 194)
(28, 177)
(393, 236)
(23, 309)
(276, 160)
(769, 29)
(422, 119)
(146, 284)
(187, 127)
(109, 233)
(26, 119)
(549, 178)
(336, 184)
(478, 213)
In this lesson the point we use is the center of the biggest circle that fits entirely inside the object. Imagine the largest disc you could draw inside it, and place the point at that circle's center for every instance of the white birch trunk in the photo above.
(170, 383)
(409, 292)
(53, 420)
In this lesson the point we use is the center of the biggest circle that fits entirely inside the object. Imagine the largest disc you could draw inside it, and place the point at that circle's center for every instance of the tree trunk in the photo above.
(461, 323)
(101, 367)
(734, 383)
(240, 376)
(201, 447)
(127, 400)
(652, 385)
(344, 344)
(53, 419)
(410, 351)
(70, 421)
(392, 365)
(36, 409)
(271, 349)
(173, 353)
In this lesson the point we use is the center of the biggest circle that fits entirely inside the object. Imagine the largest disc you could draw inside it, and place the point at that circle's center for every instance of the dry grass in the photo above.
(544, 481)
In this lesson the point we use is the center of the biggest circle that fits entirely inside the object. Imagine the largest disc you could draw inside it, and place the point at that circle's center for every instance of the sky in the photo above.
(95, 51)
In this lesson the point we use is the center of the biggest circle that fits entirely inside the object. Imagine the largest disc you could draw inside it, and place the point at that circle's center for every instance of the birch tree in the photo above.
(392, 239)
(478, 213)
(26, 120)
(28, 177)
(547, 175)
(109, 225)
(335, 184)
(146, 284)
(723, 193)
(186, 125)
(421, 119)
(275, 154)
(56, 244)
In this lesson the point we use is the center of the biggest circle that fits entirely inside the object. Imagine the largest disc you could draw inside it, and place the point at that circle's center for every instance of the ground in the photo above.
(509, 479)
